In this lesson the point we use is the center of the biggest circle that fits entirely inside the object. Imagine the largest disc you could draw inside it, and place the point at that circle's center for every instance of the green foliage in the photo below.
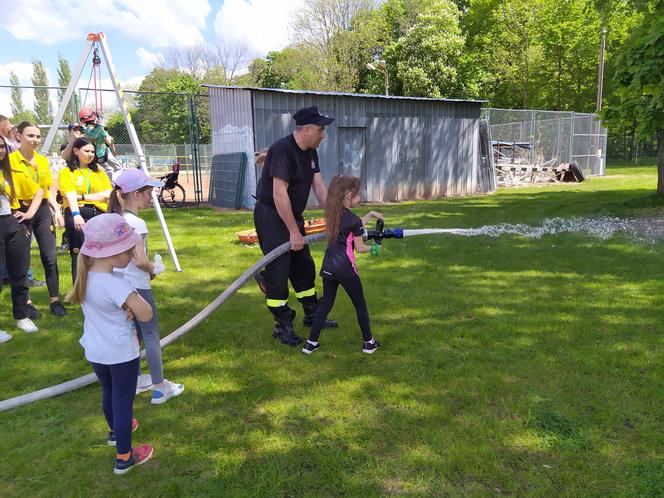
(116, 127)
(640, 79)
(43, 107)
(16, 95)
(426, 57)
(64, 78)
(291, 68)
(165, 117)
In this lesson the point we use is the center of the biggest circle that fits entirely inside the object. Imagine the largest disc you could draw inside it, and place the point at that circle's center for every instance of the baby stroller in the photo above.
(172, 194)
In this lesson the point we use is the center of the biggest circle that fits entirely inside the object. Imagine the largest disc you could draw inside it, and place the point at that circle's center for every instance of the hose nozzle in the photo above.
(381, 233)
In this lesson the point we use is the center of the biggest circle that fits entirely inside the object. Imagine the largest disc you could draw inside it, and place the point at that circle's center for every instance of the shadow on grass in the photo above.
(509, 365)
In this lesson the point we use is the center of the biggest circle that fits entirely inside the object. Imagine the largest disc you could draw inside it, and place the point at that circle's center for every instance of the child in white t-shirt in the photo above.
(109, 337)
(132, 192)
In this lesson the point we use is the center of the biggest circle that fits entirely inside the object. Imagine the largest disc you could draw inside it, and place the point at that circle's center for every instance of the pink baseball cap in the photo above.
(108, 235)
(133, 179)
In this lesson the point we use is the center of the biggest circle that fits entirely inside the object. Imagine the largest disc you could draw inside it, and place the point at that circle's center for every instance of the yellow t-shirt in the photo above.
(25, 188)
(83, 181)
(41, 173)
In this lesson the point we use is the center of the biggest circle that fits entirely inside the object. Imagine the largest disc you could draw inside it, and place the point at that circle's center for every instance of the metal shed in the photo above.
(402, 148)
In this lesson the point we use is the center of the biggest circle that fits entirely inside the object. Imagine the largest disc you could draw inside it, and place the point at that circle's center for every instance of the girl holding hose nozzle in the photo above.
(344, 234)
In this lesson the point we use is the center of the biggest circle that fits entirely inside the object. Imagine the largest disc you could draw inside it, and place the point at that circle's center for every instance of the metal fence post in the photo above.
(193, 138)
(531, 153)
(571, 138)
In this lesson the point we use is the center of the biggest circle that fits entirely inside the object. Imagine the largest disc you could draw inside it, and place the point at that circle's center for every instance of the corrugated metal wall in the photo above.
(233, 131)
(401, 148)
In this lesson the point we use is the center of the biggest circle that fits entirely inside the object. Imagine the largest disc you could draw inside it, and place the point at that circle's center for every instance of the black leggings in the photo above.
(42, 227)
(75, 237)
(15, 252)
(353, 287)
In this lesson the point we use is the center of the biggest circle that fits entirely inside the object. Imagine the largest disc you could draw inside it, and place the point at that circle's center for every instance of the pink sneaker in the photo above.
(138, 456)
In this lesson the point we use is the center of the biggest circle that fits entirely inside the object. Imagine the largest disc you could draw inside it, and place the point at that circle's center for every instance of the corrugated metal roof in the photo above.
(344, 94)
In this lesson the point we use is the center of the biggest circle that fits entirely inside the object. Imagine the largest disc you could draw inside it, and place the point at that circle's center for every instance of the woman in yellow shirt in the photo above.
(85, 189)
(15, 237)
(28, 161)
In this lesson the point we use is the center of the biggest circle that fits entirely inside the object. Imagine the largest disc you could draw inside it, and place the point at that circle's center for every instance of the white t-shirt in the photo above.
(109, 337)
(138, 278)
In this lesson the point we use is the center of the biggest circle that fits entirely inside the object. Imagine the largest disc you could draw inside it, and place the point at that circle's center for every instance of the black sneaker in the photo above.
(310, 348)
(57, 309)
(370, 348)
(33, 314)
(33, 282)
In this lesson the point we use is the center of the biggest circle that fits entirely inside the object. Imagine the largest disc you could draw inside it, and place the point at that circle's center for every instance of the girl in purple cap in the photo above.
(132, 192)
(109, 339)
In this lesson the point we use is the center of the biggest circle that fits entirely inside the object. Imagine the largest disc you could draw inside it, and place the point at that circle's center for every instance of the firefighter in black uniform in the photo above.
(291, 169)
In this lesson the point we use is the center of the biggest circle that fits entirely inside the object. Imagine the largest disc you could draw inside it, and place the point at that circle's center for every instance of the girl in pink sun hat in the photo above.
(109, 338)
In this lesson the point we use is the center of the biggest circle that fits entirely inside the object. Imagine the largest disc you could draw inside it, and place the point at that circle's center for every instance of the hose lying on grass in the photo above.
(91, 378)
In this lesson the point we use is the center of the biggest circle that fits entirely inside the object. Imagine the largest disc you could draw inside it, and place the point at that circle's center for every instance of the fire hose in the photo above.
(49, 392)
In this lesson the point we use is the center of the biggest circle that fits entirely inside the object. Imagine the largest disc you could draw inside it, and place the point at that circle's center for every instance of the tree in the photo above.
(43, 108)
(569, 36)
(326, 28)
(426, 57)
(639, 83)
(17, 94)
(19, 112)
(64, 78)
(218, 61)
(165, 117)
(292, 68)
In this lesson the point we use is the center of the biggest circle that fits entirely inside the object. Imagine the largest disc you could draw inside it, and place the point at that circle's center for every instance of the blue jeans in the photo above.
(118, 389)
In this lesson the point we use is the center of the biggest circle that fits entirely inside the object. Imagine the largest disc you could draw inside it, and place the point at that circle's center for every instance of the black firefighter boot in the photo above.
(283, 328)
(310, 308)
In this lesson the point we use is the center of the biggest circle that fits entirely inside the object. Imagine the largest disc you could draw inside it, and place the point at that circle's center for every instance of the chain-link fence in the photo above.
(552, 137)
(171, 128)
(175, 127)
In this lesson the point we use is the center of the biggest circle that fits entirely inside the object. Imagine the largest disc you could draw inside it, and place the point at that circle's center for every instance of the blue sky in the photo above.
(138, 32)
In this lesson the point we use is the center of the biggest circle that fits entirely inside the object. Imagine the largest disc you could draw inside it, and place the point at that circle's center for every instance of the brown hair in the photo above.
(77, 293)
(25, 124)
(259, 157)
(334, 205)
(114, 203)
(7, 172)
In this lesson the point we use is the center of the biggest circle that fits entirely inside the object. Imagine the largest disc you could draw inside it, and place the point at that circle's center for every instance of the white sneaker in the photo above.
(27, 325)
(5, 336)
(169, 390)
(144, 383)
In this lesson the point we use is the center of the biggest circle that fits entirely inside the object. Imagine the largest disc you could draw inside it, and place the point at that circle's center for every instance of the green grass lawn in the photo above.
(509, 366)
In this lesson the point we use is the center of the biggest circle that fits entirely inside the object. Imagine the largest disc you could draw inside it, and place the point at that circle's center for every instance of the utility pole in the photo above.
(600, 76)
(382, 67)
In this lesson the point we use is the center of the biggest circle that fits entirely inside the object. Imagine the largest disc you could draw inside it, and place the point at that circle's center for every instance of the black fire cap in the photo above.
(311, 115)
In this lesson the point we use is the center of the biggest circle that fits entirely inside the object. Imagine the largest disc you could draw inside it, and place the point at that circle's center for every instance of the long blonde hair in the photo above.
(77, 294)
(334, 205)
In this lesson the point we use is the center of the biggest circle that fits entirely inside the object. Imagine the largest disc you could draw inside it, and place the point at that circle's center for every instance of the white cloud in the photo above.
(24, 72)
(263, 24)
(5, 102)
(22, 69)
(41, 20)
(159, 23)
(148, 59)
